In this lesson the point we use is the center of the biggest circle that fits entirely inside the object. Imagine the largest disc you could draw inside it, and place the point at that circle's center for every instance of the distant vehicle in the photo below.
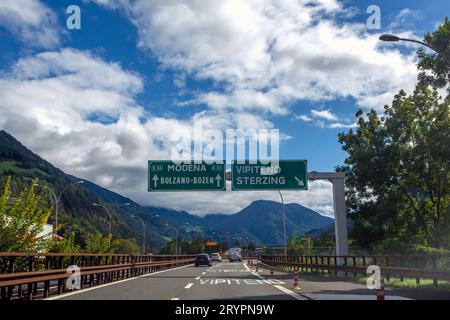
(234, 256)
(203, 260)
(216, 257)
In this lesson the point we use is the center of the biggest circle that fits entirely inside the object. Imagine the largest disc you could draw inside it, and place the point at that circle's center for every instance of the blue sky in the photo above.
(164, 64)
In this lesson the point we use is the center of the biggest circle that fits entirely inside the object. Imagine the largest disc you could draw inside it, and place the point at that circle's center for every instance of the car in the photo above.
(235, 256)
(203, 260)
(216, 257)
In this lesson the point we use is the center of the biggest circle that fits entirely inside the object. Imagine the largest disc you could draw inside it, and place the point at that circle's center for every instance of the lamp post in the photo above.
(284, 223)
(143, 233)
(394, 38)
(57, 199)
(109, 214)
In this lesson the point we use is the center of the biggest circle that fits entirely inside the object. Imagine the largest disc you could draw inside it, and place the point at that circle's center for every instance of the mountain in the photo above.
(328, 230)
(76, 212)
(260, 222)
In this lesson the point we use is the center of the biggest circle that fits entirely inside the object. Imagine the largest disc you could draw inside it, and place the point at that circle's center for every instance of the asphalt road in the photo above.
(222, 281)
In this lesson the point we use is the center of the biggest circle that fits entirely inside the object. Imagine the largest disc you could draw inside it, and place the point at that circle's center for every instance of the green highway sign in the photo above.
(287, 175)
(167, 175)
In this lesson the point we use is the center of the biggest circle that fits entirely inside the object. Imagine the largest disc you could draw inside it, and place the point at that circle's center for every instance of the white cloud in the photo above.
(324, 114)
(303, 117)
(339, 125)
(31, 21)
(268, 54)
(405, 19)
(50, 102)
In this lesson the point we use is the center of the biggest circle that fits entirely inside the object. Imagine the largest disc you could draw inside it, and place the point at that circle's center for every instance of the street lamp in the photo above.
(143, 227)
(57, 199)
(109, 214)
(284, 223)
(394, 38)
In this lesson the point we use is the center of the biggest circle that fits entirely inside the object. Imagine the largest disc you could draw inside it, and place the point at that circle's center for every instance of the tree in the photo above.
(299, 245)
(397, 169)
(22, 222)
(398, 174)
(64, 245)
(127, 246)
(435, 68)
(97, 243)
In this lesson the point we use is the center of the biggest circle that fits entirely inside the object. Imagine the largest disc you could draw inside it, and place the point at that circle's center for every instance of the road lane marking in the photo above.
(175, 299)
(253, 273)
(112, 283)
(198, 278)
(189, 285)
(247, 281)
(291, 293)
(203, 272)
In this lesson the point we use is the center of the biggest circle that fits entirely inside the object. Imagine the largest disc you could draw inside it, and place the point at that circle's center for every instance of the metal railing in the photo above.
(436, 267)
(39, 275)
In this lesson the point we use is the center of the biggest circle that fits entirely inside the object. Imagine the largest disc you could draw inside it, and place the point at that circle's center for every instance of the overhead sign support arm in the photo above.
(340, 216)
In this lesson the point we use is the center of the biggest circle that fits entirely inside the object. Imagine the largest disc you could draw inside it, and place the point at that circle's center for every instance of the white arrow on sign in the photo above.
(155, 181)
(300, 182)
(218, 179)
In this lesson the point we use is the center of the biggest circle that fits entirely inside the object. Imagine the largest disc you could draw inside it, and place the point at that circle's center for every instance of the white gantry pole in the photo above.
(340, 215)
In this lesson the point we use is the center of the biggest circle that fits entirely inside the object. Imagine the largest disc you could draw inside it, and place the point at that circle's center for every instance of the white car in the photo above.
(216, 257)
(234, 256)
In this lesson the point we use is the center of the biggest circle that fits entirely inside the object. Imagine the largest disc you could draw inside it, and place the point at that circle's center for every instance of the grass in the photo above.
(14, 166)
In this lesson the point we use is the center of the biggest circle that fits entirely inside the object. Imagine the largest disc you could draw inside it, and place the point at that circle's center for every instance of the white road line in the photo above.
(252, 272)
(189, 285)
(289, 292)
(203, 272)
(111, 284)
(175, 299)
(198, 278)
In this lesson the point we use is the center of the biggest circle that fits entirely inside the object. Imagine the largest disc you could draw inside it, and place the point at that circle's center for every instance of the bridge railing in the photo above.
(436, 267)
(38, 275)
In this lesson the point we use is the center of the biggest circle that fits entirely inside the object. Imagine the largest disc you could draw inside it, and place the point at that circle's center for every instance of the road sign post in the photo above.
(287, 175)
(167, 175)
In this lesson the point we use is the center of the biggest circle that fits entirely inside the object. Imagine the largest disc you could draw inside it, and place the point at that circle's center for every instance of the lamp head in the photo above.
(389, 38)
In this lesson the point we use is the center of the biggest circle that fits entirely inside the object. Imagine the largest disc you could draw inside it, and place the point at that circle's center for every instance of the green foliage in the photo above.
(97, 243)
(127, 246)
(398, 174)
(22, 222)
(299, 246)
(397, 169)
(435, 68)
(185, 247)
(169, 248)
(65, 245)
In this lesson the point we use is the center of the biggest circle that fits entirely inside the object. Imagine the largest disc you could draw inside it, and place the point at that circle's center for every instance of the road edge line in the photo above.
(110, 284)
(289, 292)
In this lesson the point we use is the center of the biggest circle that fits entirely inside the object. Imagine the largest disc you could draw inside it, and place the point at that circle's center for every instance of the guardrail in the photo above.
(38, 275)
(436, 267)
